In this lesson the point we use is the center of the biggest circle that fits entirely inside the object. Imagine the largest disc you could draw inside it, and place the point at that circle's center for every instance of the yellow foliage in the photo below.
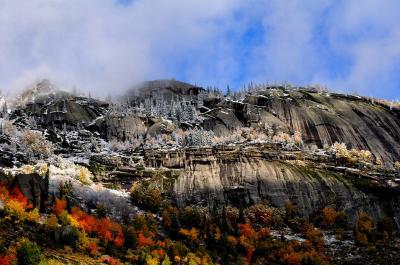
(397, 165)
(281, 137)
(379, 162)
(42, 169)
(217, 234)
(17, 209)
(35, 143)
(232, 241)
(193, 233)
(72, 221)
(27, 169)
(352, 156)
(83, 239)
(33, 215)
(52, 221)
(151, 260)
(192, 259)
(297, 138)
(84, 175)
(9, 128)
(50, 262)
(340, 149)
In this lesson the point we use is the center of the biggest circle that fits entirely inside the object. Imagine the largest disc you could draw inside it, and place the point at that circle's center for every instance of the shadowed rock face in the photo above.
(215, 178)
(34, 187)
(61, 109)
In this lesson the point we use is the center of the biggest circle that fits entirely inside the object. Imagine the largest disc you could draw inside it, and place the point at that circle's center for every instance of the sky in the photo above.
(107, 46)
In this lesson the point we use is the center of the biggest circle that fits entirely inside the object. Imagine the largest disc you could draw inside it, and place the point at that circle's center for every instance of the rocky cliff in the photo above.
(158, 113)
(242, 176)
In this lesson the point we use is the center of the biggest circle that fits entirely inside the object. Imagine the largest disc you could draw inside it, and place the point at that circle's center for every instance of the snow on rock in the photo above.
(116, 201)
(287, 236)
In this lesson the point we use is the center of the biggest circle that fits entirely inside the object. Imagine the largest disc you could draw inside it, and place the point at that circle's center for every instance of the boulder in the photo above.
(34, 187)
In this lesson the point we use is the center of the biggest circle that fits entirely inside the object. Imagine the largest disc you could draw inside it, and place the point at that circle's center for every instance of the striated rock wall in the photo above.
(241, 177)
(329, 118)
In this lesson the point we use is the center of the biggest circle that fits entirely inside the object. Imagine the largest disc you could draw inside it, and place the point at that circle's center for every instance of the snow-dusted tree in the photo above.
(35, 144)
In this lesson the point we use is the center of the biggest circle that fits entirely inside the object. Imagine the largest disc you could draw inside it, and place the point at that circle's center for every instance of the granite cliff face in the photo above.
(323, 118)
(242, 176)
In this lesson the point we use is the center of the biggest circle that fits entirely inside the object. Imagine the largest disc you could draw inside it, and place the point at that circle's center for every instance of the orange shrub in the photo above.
(248, 239)
(293, 258)
(329, 216)
(15, 195)
(52, 221)
(193, 233)
(92, 248)
(313, 235)
(361, 239)
(145, 241)
(59, 206)
(232, 241)
(105, 228)
(365, 223)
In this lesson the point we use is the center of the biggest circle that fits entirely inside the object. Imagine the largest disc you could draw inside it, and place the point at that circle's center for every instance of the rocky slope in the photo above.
(241, 175)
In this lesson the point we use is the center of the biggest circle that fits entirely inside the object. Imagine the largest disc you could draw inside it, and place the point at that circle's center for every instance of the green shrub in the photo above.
(70, 236)
(101, 210)
(28, 253)
(148, 198)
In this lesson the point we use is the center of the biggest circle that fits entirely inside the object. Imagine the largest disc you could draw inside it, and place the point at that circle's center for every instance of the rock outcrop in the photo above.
(34, 187)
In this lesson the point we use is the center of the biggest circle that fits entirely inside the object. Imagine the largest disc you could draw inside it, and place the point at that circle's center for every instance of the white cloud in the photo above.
(304, 39)
(103, 45)
(106, 47)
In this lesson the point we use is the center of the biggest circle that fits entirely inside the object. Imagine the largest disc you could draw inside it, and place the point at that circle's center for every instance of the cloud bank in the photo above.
(107, 46)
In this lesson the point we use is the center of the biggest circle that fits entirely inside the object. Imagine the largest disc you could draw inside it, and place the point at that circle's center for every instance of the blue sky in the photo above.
(107, 46)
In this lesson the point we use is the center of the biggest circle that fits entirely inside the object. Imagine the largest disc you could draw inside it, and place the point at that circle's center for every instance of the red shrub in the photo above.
(245, 229)
(6, 260)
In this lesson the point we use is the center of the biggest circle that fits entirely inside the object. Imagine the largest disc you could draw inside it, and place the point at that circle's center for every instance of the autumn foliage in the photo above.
(17, 205)
(365, 229)
(7, 260)
(15, 194)
(59, 206)
(104, 227)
